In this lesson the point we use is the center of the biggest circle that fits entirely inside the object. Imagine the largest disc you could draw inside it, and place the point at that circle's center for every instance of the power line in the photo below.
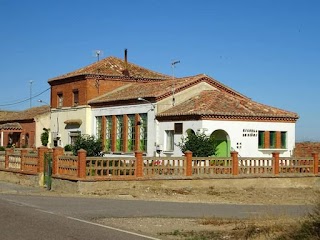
(25, 100)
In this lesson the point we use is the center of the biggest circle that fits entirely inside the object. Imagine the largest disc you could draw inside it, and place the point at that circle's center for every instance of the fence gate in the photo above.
(47, 169)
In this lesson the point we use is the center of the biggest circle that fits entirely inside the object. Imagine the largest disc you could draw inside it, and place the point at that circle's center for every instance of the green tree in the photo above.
(45, 137)
(89, 143)
(199, 144)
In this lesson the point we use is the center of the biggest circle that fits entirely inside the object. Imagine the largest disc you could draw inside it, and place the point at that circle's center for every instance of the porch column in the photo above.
(1, 144)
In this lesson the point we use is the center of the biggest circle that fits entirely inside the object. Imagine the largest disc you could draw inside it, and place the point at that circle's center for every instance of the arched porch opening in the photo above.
(222, 143)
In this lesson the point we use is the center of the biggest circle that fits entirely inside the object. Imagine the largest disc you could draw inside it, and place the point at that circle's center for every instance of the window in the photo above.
(131, 133)
(119, 141)
(74, 136)
(283, 139)
(108, 140)
(143, 132)
(98, 127)
(275, 139)
(60, 100)
(169, 140)
(178, 128)
(261, 139)
(75, 97)
(272, 142)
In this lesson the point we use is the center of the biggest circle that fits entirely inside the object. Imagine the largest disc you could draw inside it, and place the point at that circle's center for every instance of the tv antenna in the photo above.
(97, 54)
(173, 65)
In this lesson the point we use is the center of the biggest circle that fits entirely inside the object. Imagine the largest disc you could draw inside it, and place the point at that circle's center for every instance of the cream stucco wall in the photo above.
(42, 121)
(59, 116)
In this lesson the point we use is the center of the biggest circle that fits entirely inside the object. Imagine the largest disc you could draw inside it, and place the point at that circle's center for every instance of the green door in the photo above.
(222, 143)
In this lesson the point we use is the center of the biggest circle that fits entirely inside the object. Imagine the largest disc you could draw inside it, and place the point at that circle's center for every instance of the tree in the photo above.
(199, 144)
(45, 137)
(89, 143)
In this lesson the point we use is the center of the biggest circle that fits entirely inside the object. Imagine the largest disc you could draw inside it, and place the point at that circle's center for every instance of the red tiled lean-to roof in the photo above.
(114, 67)
(159, 90)
(11, 126)
(28, 114)
(217, 104)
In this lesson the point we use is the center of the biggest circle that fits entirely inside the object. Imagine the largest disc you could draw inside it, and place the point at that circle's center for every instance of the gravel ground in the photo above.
(181, 228)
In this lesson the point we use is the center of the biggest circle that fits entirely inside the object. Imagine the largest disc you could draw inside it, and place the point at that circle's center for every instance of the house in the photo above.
(132, 108)
(70, 94)
(23, 128)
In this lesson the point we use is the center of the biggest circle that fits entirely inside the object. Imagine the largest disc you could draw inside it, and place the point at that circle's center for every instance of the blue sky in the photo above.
(268, 50)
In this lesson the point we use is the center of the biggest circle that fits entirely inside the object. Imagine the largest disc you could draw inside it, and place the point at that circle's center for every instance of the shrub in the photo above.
(199, 144)
(2, 148)
(45, 137)
(68, 148)
(89, 143)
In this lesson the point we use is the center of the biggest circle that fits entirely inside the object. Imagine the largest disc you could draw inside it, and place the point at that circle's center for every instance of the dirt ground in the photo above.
(181, 228)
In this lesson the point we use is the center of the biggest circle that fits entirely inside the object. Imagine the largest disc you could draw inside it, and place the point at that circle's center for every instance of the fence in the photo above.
(81, 167)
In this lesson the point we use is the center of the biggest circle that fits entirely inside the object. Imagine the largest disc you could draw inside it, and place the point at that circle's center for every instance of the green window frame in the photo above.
(98, 127)
(119, 134)
(143, 131)
(261, 135)
(131, 133)
(108, 141)
(272, 139)
(283, 140)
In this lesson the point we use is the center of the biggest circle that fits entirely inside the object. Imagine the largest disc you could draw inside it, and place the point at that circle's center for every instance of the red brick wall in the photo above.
(305, 149)
(88, 89)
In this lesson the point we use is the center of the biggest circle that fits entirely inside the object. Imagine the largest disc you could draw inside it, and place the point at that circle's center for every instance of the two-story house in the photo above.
(132, 108)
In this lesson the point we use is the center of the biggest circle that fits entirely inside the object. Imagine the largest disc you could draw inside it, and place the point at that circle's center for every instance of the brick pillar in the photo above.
(8, 152)
(278, 139)
(266, 139)
(41, 154)
(82, 160)
(23, 152)
(315, 163)
(276, 160)
(235, 163)
(57, 151)
(139, 164)
(188, 159)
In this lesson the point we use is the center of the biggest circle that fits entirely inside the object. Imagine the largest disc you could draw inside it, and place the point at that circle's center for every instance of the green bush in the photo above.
(2, 148)
(89, 143)
(68, 148)
(199, 144)
(45, 137)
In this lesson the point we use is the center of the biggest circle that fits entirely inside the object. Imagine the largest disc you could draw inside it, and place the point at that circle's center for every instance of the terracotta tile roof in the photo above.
(159, 90)
(217, 103)
(114, 67)
(11, 126)
(27, 114)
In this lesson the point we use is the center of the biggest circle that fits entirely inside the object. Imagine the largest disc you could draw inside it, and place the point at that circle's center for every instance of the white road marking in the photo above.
(112, 228)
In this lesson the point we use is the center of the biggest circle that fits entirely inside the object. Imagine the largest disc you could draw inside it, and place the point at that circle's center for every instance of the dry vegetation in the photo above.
(266, 227)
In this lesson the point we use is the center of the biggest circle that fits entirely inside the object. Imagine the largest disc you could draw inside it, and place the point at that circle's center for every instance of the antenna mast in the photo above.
(173, 65)
(98, 52)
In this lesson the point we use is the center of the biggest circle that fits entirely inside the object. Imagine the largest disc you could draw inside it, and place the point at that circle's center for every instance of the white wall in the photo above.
(247, 145)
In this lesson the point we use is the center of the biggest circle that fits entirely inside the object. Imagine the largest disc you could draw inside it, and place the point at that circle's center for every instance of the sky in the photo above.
(268, 50)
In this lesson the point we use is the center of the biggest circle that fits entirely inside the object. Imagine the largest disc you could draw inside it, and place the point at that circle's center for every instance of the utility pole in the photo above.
(31, 81)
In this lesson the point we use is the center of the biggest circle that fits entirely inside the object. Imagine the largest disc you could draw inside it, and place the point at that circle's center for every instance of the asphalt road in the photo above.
(25, 216)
